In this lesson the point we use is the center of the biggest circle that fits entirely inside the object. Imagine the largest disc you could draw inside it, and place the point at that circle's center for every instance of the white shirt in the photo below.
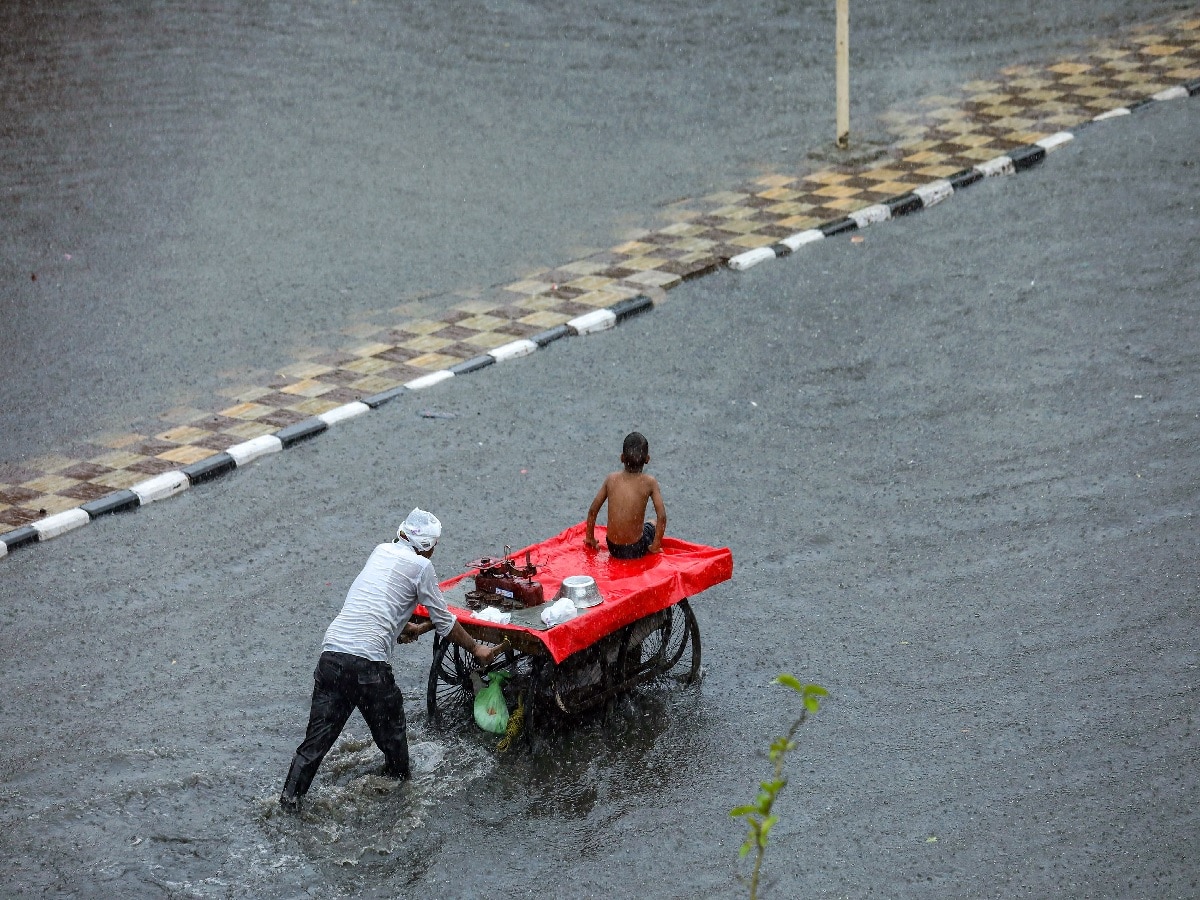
(381, 601)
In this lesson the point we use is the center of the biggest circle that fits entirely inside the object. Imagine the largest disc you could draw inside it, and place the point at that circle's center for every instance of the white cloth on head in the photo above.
(381, 601)
(421, 529)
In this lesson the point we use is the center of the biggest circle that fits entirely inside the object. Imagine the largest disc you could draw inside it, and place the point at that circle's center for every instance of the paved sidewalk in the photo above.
(936, 139)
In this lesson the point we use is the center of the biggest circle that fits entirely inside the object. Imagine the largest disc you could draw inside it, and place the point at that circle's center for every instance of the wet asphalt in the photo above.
(956, 463)
(191, 194)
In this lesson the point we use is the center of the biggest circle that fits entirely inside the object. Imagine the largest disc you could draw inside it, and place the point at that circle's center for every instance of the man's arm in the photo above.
(483, 655)
(593, 511)
(413, 630)
(430, 595)
(458, 634)
(660, 514)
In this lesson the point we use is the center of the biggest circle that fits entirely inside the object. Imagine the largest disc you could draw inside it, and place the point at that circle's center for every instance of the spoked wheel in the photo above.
(676, 643)
(450, 696)
(449, 687)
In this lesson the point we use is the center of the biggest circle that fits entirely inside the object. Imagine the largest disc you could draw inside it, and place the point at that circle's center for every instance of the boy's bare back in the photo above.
(627, 494)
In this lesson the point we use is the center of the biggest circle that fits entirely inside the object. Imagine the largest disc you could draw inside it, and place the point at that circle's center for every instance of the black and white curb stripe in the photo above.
(171, 483)
(935, 192)
(175, 482)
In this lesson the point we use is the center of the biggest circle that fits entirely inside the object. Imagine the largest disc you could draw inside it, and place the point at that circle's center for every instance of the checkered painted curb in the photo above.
(176, 481)
(925, 196)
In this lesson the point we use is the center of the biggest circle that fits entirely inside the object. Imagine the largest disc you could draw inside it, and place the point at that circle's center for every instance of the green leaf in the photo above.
(746, 848)
(812, 704)
(765, 830)
(739, 811)
(790, 681)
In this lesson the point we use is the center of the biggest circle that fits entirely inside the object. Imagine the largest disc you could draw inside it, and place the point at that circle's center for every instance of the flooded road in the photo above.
(962, 497)
(955, 462)
(193, 194)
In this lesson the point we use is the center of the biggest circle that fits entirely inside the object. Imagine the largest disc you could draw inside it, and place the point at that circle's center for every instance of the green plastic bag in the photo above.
(491, 712)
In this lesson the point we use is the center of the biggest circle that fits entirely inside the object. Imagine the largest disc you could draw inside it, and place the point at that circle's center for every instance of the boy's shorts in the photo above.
(635, 550)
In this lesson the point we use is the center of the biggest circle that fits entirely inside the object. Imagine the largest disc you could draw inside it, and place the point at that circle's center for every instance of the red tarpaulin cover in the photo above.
(631, 588)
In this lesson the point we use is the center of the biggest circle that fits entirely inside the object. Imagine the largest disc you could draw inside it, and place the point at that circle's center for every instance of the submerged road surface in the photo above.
(956, 464)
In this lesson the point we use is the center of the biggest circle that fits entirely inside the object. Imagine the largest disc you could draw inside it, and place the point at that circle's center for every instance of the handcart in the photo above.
(643, 630)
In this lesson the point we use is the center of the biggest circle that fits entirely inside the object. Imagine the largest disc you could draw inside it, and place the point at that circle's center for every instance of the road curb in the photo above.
(168, 484)
(176, 481)
(1018, 160)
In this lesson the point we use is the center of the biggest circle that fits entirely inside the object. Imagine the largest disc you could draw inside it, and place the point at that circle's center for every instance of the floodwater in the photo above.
(161, 819)
(962, 502)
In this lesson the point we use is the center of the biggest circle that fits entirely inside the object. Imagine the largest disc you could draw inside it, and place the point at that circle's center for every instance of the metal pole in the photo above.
(843, 74)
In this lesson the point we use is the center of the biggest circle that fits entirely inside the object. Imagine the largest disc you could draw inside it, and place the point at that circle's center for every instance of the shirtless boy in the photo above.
(629, 536)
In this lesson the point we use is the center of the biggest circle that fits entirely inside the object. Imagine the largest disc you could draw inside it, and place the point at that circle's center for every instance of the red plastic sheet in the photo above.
(631, 588)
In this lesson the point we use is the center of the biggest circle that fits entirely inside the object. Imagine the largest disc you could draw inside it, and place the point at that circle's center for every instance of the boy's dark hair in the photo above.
(635, 452)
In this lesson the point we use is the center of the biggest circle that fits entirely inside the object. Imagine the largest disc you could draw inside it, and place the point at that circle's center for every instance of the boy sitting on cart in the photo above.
(629, 535)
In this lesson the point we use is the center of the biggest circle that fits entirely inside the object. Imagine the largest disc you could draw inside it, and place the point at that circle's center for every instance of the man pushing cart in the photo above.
(619, 616)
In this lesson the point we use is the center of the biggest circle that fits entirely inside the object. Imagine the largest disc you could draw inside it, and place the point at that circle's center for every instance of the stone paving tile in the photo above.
(934, 138)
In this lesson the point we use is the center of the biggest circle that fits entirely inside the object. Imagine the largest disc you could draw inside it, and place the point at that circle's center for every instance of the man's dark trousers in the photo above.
(343, 682)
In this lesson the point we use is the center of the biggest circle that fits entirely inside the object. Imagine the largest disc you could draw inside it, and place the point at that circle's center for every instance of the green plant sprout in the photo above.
(758, 815)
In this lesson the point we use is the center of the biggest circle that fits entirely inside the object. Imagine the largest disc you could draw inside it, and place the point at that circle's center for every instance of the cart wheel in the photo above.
(449, 697)
(672, 642)
(449, 687)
